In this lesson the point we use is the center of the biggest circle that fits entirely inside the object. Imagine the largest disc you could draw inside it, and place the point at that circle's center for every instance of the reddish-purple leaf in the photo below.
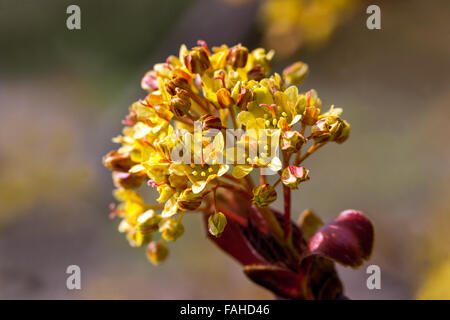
(347, 240)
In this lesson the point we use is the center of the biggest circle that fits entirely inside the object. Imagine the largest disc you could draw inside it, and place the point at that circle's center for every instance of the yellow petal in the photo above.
(241, 171)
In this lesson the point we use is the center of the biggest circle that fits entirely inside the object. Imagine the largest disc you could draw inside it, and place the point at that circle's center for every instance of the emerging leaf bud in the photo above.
(127, 180)
(188, 201)
(295, 73)
(181, 103)
(177, 83)
(224, 98)
(157, 252)
(293, 175)
(197, 61)
(217, 223)
(256, 73)
(150, 81)
(291, 141)
(237, 56)
(245, 96)
(264, 195)
(118, 161)
(171, 229)
(211, 122)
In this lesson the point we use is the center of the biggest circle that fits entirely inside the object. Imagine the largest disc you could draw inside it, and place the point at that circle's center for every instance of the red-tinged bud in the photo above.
(118, 161)
(224, 98)
(245, 96)
(237, 56)
(293, 175)
(291, 141)
(127, 180)
(150, 81)
(256, 73)
(197, 61)
(177, 83)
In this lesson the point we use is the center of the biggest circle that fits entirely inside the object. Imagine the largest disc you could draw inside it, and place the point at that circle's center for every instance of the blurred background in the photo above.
(63, 94)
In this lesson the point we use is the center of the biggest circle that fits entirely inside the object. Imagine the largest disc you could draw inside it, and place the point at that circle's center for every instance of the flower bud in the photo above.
(311, 115)
(150, 81)
(147, 223)
(217, 223)
(177, 82)
(171, 229)
(295, 73)
(165, 193)
(157, 252)
(345, 133)
(224, 98)
(140, 237)
(256, 73)
(291, 141)
(237, 56)
(118, 161)
(293, 175)
(127, 180)
(197, 61)
(264, 195)
(181, 103)
(328, 128)
(177, 182)
(211, 122)
(188, 201)
(245, 96)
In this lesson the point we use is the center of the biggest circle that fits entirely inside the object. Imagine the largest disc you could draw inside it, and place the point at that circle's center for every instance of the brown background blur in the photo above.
(63, 94)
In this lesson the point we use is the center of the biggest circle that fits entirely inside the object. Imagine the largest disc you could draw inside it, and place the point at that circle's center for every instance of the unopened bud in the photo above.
(180, 104)
(237, 56)
(177, 182)
(264, 195)
(245, 96)
(217, 223)
(171, 229)
(293, 175)
(127, 180)
(211, 122)
(197, 61)
(345, 133)
(256, 73)
(188, 201)
(118, 161)
(310, 116)
(224, 98)
(295, 73)
(157, 252)
(177, 82)
(150, 81)
(291, 141)
(325, 129)
(165, 193)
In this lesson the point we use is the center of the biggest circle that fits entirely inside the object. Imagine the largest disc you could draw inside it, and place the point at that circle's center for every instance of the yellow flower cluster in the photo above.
(219, 88)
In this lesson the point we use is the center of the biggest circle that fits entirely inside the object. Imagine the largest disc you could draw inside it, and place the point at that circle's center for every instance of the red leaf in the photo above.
(347, 240)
